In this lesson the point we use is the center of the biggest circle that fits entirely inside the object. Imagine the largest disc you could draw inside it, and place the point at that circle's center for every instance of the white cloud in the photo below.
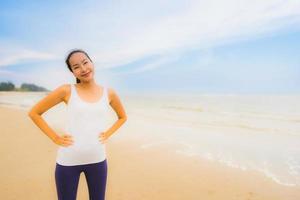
(6, 72)
(13, 55)
(203, 24)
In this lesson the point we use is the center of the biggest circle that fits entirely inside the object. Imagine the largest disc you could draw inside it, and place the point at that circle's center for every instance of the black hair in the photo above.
(70, 54)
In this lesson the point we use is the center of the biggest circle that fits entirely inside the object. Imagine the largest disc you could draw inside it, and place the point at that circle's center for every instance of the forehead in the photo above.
(77, 58)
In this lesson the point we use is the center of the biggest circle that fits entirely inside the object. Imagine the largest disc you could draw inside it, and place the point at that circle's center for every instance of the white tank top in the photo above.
(85, 121)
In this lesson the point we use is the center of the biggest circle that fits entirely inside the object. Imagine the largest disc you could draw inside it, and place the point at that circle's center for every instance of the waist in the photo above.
(85, 140)
(79, 129)
(83, 145)
(75, 155)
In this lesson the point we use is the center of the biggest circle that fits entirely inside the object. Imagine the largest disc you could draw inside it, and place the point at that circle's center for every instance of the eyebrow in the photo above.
(81, 61)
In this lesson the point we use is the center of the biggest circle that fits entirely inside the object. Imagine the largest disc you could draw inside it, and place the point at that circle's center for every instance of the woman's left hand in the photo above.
(103, 137)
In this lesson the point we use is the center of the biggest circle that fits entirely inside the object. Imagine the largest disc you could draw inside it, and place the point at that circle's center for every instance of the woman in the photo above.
(82, 147)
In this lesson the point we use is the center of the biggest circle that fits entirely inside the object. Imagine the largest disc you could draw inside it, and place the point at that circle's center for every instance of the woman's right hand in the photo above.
(64, 140)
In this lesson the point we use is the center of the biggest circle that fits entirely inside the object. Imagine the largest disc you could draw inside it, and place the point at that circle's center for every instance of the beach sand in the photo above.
(28, 165)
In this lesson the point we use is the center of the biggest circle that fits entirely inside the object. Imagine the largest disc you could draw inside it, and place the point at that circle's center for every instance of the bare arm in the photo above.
(43, 105)
(116, 104)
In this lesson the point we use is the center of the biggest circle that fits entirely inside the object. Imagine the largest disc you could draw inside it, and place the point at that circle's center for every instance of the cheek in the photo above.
(91, 67)
(76, 73)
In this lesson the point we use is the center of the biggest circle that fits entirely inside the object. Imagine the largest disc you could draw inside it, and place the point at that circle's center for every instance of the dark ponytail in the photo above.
(68, 58)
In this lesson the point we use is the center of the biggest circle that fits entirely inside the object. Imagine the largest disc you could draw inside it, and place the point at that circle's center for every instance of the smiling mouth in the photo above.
(86, 74)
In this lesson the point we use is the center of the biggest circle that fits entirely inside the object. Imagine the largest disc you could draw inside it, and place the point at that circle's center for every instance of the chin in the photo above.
(87, 79)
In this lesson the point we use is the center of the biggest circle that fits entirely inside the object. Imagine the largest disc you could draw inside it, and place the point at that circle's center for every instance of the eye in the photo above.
(85, 62)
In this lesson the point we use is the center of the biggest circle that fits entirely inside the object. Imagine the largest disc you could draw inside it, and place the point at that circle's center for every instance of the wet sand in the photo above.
(28, 164)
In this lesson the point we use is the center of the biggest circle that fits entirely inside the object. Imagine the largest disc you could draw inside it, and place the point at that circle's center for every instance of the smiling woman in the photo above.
(82, 149)
(76, 68)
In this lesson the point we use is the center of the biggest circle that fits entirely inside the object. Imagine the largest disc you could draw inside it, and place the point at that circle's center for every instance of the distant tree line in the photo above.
(9, 86)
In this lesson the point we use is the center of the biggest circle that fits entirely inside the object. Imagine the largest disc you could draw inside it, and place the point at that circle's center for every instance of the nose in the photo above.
(83, 68)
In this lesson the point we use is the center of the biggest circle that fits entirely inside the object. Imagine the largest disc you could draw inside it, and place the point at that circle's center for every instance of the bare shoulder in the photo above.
(66, 92)
(54, 97)
(63, 91)
(65, 87)
(111, 94)
(116, 103)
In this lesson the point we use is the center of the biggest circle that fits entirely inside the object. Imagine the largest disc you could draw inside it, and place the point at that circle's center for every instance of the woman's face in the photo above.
(81, 66)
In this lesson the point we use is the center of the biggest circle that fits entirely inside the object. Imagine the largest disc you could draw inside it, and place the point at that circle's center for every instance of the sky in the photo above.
(196, 46)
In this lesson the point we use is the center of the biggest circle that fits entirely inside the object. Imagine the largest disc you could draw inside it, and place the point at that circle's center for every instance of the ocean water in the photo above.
(248, 132)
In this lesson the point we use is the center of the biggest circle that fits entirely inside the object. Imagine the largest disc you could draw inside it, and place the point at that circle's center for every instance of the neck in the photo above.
(88, 84)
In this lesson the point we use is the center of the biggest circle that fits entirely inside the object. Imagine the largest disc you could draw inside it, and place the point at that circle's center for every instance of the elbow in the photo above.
(124, 119)
(31, 114)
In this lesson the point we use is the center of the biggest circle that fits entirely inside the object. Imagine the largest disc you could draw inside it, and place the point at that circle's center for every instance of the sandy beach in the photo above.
(28, 163)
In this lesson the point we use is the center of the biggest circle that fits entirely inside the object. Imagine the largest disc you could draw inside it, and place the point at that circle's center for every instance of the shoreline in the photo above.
(133, 172)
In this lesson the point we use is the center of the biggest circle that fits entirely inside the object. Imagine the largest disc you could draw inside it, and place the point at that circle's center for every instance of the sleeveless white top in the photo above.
(85, 122)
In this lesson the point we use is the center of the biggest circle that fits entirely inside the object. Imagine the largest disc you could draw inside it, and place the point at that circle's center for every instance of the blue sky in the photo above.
(249, 47)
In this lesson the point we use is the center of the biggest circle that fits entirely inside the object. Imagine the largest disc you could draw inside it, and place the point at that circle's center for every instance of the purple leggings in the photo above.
(67, 179)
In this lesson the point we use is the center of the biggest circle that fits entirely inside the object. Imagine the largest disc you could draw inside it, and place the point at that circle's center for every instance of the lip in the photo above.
(84, 75)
